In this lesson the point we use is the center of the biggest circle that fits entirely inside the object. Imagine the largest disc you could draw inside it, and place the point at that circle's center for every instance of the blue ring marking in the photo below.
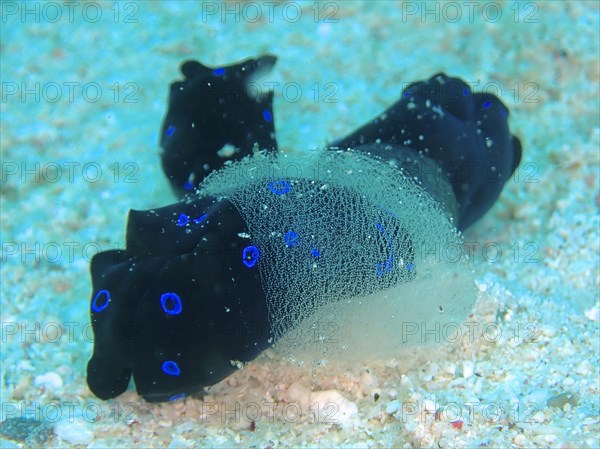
(183, 220)
(389, 262)
(315, 252)
(291, 238)
(486, 105)
(200, 219)
(188, 185)
(170, 367)
(171, 303)
(100, 307)
(410, 266)
(170, 130)
(267, 115)
(177, 396)
(250, 255)
(219, 72)
(391, 214)
(279, 187)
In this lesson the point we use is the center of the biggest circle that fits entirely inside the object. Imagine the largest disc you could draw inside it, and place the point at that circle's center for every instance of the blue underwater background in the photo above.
(84, 91)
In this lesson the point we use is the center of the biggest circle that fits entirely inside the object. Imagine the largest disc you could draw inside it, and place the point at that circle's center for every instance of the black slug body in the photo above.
(465, 133)
(208, 283)
(179, 304)
(212, 118)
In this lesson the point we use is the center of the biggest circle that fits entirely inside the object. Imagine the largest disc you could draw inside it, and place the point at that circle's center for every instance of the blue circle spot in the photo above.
(267, 115)
(465, 92)
(188, 185)
(170, 130)
(279, 187)
(200, 219)
(315, 252)
(177, 396)
(100, 301)
(486, 105)
(291, 238)
(183, 220)
(388, 264)
(410, 266)
(219, 72)
(250, 256)
(169, 367)
(171, 303)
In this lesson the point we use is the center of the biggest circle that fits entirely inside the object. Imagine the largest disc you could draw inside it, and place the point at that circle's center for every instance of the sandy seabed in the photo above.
(84, 89)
